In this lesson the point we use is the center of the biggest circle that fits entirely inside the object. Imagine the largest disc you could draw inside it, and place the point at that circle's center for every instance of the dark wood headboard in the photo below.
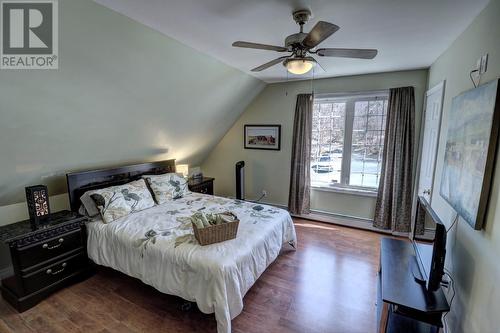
(80, 182)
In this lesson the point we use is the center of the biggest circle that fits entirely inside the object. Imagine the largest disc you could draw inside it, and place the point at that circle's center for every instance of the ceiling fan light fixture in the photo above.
(299, 66)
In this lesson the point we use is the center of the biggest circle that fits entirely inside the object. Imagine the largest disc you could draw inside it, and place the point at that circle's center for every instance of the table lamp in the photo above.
(182, 169)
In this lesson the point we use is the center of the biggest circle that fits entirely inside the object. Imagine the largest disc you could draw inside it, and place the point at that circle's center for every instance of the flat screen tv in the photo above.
(430, 247)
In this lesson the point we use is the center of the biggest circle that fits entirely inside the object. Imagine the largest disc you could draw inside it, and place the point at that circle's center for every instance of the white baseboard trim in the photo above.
(343, 220)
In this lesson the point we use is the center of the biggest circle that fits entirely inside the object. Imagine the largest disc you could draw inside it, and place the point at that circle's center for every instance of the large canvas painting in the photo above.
(470, 152)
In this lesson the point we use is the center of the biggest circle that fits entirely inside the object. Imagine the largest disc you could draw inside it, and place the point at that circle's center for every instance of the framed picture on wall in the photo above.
(267, 137)
(470, 152)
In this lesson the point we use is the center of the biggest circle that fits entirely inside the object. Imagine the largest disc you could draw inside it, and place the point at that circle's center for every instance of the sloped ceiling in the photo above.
(408, 33)
(123, 93)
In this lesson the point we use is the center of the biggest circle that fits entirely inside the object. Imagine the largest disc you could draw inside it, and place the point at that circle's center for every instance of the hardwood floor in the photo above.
(327, 285)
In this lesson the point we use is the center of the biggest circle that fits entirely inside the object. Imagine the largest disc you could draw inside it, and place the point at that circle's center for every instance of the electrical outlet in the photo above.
(446, 281)
(483, 66)
(264, 193)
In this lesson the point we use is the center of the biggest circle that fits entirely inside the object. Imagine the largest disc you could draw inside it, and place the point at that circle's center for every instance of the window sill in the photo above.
(344, 190)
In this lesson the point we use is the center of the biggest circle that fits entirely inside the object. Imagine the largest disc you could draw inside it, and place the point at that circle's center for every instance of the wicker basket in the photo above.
(216, 233)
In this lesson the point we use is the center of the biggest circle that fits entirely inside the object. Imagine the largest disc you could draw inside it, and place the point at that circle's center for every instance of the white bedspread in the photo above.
(215, 276)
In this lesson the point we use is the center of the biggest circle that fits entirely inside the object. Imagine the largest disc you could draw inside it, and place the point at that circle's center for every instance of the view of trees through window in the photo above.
(347, 141)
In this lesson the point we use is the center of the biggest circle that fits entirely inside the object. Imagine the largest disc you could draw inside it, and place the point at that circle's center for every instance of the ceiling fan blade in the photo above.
(317, 63)
(250, 45)
(348, 53)
(321, 31)
(269, 64)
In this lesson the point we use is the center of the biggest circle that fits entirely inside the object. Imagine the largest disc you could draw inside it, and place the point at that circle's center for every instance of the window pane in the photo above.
(367, 142)
(325, 110)
(364, 179)
(376, 108)
(359, 124)
(327, 142)
(361, 108)
(315, 123)
(375, 123)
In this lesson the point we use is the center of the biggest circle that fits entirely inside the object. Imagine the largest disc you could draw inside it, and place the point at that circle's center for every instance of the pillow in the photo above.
(91, 209)
(118, 201)
(167, 186)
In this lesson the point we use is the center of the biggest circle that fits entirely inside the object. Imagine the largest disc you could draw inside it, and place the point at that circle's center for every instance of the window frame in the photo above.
(350, 100)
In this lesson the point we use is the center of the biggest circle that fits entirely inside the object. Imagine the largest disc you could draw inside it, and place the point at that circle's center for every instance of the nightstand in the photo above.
(204, 185)
(44, 259)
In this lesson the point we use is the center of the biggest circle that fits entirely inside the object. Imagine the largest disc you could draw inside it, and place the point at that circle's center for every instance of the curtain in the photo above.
(300, 177)
(394, 199)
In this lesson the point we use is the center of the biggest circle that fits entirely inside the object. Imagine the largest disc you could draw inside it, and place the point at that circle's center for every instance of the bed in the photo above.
(156, 245)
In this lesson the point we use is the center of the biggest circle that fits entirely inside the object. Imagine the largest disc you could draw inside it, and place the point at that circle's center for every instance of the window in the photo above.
(348, 140)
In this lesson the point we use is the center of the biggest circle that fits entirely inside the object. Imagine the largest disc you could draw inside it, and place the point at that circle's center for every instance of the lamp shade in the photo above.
(299, 65)
(183, 169)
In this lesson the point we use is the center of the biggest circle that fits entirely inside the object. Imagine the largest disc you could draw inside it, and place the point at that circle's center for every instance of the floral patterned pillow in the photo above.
(118, 201)
(167, 186)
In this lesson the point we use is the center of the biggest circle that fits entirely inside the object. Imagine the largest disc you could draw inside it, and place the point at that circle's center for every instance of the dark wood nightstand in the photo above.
(204, 185)
(44, 259)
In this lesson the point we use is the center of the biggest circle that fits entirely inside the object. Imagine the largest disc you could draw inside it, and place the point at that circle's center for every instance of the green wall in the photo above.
(472, 255)
(123, 93)
(270, 170)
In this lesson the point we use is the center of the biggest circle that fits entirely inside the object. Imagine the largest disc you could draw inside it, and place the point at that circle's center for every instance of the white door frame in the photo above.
(440, 86)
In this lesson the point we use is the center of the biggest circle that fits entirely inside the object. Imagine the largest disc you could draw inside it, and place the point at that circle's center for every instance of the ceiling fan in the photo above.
(301, 45)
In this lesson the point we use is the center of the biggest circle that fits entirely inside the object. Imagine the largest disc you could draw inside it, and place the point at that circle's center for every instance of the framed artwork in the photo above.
(267, 137)
(470, 152)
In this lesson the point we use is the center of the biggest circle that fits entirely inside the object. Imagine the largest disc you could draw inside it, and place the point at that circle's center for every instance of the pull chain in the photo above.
(286, 92)
(312, 87)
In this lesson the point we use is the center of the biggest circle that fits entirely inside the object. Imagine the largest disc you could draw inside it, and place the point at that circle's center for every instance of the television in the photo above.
(429, 244)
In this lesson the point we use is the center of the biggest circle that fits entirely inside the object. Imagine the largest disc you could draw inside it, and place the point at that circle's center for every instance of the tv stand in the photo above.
(403, 304)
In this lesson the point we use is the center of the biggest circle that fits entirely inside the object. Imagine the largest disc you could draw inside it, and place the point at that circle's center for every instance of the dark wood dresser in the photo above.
(204, 185)
(44, 258)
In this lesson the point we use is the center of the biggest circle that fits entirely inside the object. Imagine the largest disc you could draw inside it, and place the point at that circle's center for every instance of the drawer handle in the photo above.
(50, 272)
(46, 246)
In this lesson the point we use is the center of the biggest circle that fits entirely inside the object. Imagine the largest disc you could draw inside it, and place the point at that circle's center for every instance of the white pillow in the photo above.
(167, 186)
(118, 201)
(89, 204)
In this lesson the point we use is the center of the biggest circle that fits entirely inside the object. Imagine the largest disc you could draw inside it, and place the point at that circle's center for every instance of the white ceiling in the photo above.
(409, 34)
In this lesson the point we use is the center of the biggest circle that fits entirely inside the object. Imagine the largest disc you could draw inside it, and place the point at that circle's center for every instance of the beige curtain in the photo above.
(394, 200)
(300, 177)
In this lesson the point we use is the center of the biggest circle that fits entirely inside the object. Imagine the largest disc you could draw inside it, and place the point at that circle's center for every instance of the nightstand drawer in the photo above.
(53, 273)
(204, 188)
(48, 249)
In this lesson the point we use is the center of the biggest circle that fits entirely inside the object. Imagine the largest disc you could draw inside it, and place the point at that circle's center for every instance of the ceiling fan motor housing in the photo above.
(301, 16)
(295, 39)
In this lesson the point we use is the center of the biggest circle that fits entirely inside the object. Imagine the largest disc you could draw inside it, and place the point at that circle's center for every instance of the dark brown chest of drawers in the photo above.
(204, 185)
(44, 259)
